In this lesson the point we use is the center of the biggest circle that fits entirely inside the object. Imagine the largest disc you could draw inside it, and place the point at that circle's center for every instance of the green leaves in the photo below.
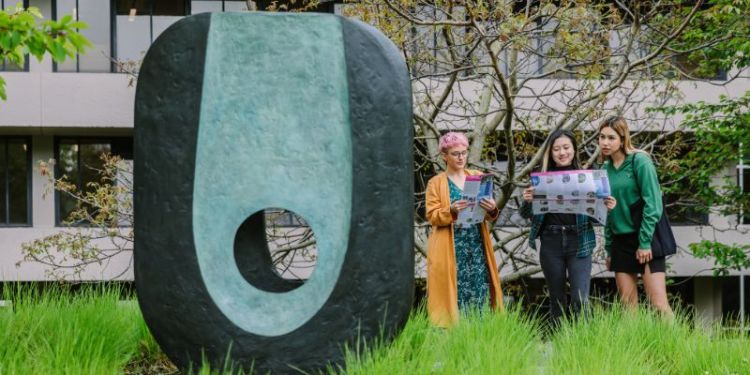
(718, 130)
(2, 89)
(20, 34)
(727, 257)
(721, 33)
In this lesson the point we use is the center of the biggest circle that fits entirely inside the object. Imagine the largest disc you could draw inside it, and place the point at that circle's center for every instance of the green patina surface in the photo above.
(274, 132)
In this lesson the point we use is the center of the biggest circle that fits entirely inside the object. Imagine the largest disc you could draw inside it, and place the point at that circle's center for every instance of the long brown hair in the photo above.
(620, 127)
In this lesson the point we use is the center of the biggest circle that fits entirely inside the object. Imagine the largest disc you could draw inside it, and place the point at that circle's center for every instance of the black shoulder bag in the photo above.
(663, 243)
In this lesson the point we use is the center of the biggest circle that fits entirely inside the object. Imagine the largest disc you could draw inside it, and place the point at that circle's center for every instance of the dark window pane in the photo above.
(683, 207)
(688, 67)
(91, 162)
(685, 212)
(123, 147)
(10, 66)
(68, 160)
(155, 7)
(90, 165)
(80, 161)
(746, 189)
(68, 167)
(170, 8)
(18, 188)
(142, 7)
(3, 175)
(731, 300)
(14, 181)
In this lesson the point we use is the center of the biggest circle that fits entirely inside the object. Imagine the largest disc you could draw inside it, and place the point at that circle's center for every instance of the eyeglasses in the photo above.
(458, 154)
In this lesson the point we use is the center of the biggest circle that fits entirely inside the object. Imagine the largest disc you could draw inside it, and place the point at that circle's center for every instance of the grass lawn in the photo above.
(610, 342)
(92, 331)
(87, 332)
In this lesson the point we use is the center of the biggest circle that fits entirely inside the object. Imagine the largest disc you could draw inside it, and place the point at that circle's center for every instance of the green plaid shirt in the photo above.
(584, 226)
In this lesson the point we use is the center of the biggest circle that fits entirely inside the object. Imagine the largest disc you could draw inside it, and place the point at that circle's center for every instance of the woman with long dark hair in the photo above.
(567, 240)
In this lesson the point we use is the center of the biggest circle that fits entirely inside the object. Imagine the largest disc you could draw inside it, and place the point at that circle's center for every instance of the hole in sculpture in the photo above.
(275, 250)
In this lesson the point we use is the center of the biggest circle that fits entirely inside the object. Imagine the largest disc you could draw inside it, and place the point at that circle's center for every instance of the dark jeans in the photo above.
(557, 257)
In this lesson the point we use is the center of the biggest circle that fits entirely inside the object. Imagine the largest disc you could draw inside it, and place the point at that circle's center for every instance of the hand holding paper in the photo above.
(584, 192)
(477, 192)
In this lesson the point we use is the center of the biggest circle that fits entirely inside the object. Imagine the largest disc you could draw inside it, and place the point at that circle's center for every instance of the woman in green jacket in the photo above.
(632, 177)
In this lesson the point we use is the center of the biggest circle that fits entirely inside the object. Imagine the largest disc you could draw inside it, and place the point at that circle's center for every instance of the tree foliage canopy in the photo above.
(721, 133)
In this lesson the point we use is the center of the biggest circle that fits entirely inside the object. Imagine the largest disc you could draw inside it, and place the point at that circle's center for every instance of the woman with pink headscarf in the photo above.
(461, 268)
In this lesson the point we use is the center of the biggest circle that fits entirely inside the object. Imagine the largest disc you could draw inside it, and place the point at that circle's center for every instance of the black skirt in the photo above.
(623, 258)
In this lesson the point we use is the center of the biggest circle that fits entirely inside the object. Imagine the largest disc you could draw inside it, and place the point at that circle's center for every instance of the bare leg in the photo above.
(656, 290)
(627, 286)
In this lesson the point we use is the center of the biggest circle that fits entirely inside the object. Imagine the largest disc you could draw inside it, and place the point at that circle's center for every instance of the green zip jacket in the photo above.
(624, 188)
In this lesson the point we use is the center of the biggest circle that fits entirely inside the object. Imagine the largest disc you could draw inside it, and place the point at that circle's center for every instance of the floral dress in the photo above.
(471, 266)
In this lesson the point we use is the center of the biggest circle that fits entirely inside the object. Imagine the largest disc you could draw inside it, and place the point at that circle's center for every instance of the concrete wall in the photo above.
(47, 100)
(544, 96)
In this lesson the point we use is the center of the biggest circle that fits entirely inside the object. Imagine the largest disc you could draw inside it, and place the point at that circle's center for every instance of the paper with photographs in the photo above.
(475, 188)
(571, 192)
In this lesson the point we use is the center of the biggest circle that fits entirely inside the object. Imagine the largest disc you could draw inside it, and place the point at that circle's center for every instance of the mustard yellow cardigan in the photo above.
(442, 289)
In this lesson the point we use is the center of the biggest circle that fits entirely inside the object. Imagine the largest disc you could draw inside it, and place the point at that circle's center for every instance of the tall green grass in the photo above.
(61, 332)
(609, 341)
(477, 345)
(92, 331)
(615, 341)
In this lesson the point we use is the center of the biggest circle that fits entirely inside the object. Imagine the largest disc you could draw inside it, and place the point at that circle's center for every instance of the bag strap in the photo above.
(635, 173)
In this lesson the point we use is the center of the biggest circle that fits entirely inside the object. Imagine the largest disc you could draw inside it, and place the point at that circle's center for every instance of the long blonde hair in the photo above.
(620, 127)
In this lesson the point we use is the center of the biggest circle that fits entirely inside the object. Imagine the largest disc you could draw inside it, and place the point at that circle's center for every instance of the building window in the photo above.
(743, 180)
(79, 161)
(735, 301)
(153, 7)
(96, 14)
(139, 22)
(9, 66)
(204, 6)
(15, 181)
(687, 67)
(12, 3)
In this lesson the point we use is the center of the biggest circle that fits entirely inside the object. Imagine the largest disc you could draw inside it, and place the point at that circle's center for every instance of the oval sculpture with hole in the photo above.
(239, 112)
